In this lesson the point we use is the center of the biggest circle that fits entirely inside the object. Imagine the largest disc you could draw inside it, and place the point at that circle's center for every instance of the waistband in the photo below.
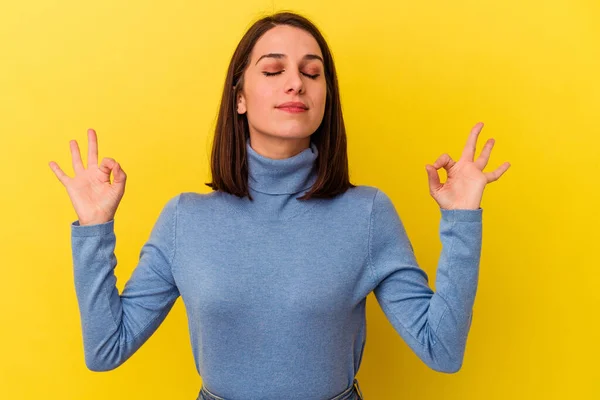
(347, 394)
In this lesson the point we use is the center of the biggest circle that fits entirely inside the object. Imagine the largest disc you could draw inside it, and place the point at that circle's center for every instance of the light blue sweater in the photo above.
(275, 289)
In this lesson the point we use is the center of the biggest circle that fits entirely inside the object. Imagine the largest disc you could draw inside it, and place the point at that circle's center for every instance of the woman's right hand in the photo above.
(93, 196)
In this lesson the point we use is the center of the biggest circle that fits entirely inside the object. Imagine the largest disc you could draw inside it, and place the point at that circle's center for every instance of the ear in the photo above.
(241, 104)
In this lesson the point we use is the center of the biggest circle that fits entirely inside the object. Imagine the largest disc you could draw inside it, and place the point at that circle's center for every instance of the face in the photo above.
(285, 66)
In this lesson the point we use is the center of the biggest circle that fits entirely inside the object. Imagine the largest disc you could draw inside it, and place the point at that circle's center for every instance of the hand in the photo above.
(466, 180)
(94, 198)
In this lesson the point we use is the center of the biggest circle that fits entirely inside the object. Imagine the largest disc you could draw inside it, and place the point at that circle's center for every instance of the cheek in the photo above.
(263, 93)
(321, 97)
(260, 103)
(257, 92)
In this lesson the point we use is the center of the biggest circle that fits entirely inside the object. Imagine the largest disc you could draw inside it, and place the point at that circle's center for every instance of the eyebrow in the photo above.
(280, 55)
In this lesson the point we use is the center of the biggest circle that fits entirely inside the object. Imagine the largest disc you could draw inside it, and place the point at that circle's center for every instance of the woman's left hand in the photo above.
(466, 180)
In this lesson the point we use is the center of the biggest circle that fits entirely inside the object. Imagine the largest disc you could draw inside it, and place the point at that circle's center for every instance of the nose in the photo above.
(294, 82)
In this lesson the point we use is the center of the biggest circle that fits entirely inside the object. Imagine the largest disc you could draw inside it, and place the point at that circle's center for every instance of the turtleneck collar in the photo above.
(282, 176)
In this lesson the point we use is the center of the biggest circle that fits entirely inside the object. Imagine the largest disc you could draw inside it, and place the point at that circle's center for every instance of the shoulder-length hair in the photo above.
(229, 159)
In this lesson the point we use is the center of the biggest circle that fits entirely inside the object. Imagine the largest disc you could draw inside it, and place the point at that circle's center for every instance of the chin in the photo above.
(292, 134)
(297, 131)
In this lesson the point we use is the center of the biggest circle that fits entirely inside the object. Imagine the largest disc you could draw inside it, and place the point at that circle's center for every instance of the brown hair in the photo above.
(228, 161)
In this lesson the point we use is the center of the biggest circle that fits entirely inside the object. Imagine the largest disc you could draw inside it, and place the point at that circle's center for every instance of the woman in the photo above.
(275, 264)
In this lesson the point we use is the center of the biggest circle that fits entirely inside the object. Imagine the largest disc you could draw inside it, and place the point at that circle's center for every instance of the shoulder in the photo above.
(380, 204)
(367, 199)
(359, 193)
(354, 201)
(192, 201)
(373, 196)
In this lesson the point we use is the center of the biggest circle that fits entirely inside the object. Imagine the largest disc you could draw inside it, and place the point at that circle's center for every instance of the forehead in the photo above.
(294, 42)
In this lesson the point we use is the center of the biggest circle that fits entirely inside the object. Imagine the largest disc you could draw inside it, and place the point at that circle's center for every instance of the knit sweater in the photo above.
(275, 288)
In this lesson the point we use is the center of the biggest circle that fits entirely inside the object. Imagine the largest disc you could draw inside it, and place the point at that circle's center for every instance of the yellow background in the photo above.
(415, 77)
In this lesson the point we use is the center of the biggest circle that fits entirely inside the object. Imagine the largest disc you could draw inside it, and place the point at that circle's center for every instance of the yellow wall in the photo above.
(414, 76)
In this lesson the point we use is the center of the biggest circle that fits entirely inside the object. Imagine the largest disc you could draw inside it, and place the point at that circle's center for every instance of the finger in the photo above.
(444, 161)
(469, 150)
(119, 176)
(76, 157)
(106, 165)
(62, 177)
(484, 157)
(495, 175)
(92, 148)
(434, 178)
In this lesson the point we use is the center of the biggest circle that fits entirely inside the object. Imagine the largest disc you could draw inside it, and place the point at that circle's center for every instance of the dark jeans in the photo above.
(351, 393)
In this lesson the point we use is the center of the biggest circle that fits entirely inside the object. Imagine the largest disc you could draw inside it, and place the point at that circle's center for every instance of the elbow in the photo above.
(446, 362)
(95, 366)
(95, 363)
(451, 369)
(107, 355)
(447, 354)
(446, 367)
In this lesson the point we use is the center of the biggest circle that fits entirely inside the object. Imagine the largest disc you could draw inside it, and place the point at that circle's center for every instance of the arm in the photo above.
(434, 325)
(114, 326)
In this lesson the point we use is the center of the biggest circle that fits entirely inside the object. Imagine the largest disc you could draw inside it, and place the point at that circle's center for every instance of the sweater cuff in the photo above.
(462, 215)
(92, 230)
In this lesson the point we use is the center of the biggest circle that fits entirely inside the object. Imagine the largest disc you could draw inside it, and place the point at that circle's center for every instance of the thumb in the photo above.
(106, 165)
(119, 176)
(434, 178)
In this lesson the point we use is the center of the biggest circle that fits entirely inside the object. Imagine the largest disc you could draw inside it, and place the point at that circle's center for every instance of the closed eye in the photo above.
(277, 73)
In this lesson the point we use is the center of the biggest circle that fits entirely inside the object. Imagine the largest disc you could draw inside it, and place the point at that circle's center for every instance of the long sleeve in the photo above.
(114, 326)
(434, 325)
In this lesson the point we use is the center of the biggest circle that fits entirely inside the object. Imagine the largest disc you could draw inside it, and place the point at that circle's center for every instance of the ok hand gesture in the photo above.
(93, 196)
(466, 180)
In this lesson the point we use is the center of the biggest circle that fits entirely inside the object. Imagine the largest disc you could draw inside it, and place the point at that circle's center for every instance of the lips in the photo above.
(293, 105)
(293, 110)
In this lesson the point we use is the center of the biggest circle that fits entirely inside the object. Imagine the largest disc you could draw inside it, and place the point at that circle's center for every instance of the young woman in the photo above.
(275, 264)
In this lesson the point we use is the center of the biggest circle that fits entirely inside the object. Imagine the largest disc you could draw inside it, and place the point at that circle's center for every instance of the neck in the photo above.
(288, 175)
(277, 148)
